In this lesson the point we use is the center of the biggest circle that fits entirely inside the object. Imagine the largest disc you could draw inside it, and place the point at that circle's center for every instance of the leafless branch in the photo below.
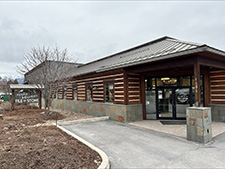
(46, 68)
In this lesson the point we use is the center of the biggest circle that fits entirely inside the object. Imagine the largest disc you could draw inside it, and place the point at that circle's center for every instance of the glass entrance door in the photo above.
(165, 103)
(182, 101)
(172, 102)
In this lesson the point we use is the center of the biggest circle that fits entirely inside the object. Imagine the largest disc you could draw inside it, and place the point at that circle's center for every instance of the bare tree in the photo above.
(4, 86)
(45, 67)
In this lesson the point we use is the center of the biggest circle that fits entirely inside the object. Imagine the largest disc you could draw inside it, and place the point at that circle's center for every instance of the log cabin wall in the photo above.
(69, 92)
(126, 106)
(134, 89)
(60, 94)
(97, 81)
(119, 81)
(217, 85)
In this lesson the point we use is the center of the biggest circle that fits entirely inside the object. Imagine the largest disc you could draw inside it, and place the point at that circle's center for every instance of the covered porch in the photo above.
(178, 130)
(170, 85)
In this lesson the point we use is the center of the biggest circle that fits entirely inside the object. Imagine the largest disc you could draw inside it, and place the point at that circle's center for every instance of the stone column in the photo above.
(199, 124)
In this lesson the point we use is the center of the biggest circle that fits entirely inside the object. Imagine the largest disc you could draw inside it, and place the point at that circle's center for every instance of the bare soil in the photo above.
(68, 115)
(24, 145)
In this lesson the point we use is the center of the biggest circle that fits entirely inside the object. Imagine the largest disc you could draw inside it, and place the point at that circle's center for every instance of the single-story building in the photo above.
(155, 80)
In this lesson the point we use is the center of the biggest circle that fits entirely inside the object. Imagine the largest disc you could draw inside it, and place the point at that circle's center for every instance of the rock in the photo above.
(1, 108)
(1, 116)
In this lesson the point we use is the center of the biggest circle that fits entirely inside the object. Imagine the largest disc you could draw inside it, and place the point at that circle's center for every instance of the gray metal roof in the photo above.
(162, 48)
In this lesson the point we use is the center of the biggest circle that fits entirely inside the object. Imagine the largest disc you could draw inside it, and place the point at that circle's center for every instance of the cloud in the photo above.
(92, 30)
(17, 38)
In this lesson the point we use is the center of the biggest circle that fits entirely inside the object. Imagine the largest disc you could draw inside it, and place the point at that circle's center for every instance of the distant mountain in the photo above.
(20, 80)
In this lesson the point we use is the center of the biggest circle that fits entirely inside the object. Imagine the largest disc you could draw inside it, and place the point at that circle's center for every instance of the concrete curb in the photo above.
(66, 123)
(105, 160)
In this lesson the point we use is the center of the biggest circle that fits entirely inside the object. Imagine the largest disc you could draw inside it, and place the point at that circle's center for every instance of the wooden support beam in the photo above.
(197, 83)
(13, 99)
(163, 64)
(142, 91)
(211, 62)
(207, 88)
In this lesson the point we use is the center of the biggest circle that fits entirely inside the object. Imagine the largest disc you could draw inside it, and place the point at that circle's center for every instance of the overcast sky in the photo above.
(92, 30)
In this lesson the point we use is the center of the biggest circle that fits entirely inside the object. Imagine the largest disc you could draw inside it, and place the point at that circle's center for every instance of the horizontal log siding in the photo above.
(134, 89)
(69, 93)
(60, 94)
(98, 81)
(81, 91)
(217, 85)
(98, 95)
(119, 89)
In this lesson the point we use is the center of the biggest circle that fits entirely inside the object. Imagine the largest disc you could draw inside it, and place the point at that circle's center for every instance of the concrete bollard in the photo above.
(199, 124)
(1, 116)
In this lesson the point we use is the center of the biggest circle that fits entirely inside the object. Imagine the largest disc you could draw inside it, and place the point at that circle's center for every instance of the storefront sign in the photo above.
(26, 97)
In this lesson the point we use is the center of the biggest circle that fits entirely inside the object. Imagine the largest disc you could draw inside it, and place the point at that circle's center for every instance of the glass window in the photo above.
(75, 92)
(109, 93)
(152, 83)
(167, 81)
(146, 84)
(184, 81)
(64, 93)
(150, 95)
(58, 95)
(88, 92)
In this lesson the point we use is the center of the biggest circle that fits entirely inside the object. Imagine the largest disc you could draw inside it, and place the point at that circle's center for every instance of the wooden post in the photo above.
(207, 88)
(13, 98)
(197, 83)
(142, 91)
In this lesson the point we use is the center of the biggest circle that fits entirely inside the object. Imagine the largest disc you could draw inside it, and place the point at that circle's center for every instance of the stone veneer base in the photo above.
(118, 112)
(218, 112)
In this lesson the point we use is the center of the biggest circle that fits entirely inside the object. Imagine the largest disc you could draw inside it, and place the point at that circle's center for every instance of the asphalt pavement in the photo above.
(129, 146)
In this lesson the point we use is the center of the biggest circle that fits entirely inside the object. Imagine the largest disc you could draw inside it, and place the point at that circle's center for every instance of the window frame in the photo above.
(58, 93)
(104, 84)
(86, 85)
(64, 90)
(74, 86)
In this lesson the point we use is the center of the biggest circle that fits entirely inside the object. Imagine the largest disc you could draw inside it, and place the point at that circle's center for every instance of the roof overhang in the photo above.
(203, 48)
(25, 86)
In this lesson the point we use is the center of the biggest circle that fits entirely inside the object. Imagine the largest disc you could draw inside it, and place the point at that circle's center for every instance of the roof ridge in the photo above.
(185, 42)
(130, 49)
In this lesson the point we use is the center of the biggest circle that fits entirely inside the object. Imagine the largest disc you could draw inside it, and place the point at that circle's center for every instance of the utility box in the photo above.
(199, 124)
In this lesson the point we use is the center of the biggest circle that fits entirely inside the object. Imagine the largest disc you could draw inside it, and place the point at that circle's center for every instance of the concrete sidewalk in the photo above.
(176, 130)
(129, 146)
